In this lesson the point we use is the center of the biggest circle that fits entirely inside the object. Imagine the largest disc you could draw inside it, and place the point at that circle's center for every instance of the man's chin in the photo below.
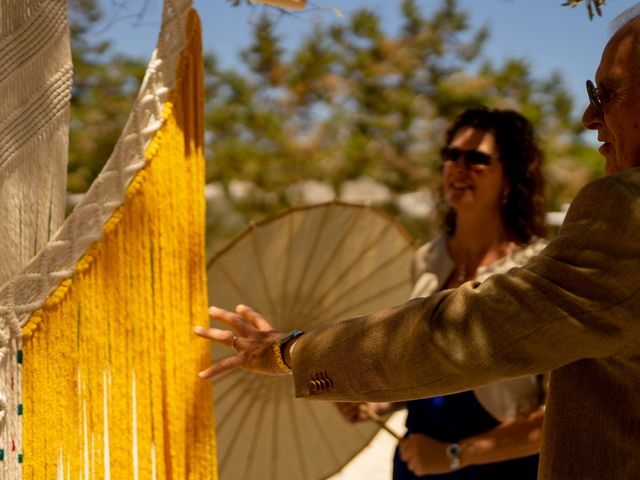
(611, 167)
(610, 162)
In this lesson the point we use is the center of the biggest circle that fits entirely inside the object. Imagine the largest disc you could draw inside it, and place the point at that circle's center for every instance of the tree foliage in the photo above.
(346, 101)
(592, 5)
(350, 100)
(104, 88)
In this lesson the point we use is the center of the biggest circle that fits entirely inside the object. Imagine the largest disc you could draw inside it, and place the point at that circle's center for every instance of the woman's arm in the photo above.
(512, 439)
(355, 412)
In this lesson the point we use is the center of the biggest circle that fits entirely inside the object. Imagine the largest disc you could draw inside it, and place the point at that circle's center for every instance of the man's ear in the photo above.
(291, 4)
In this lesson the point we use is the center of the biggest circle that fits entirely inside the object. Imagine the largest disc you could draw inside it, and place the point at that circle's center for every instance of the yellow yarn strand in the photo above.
(110, 363)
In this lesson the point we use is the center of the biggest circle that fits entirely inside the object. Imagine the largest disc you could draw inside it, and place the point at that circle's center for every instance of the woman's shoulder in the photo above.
(517, 258)
(527, 250)
(435, 247)
(431, 267)
(432, 257)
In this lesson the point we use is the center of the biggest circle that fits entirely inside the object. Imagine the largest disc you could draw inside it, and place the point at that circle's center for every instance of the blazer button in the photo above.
(320, 382)
(327, 383)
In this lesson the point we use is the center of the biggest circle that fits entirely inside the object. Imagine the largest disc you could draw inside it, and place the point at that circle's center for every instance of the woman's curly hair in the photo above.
(524, 209)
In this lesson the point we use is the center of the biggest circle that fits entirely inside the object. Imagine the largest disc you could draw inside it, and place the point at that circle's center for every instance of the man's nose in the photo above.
(591, 118)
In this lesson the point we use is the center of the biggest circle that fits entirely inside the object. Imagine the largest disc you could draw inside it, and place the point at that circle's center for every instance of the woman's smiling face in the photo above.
(468, 185)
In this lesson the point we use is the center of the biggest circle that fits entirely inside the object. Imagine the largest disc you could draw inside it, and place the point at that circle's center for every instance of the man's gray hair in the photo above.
(625, 17)
(631, 13)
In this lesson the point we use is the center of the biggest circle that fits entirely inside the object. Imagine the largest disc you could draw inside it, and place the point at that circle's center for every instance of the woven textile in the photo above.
(35, 86)
(98, 360)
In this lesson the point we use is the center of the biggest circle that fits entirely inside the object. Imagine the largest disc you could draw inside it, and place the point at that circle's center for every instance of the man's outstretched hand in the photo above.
(251, 336)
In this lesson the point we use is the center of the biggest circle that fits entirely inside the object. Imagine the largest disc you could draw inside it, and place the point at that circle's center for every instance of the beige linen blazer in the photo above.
(573, 310)
(432, 267)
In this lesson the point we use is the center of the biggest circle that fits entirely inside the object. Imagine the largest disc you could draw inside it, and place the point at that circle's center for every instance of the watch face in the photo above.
(453, 450)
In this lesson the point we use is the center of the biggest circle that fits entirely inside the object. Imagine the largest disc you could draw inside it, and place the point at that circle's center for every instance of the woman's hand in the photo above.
(355, 412)
(424, 455)
(351, 411)
(251, 336)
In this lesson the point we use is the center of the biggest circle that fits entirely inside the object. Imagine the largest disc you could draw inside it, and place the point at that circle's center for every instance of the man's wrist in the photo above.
(282, 350)
(287, 351)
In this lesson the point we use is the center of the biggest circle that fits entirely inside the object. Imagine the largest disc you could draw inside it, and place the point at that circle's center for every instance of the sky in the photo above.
(551, 37)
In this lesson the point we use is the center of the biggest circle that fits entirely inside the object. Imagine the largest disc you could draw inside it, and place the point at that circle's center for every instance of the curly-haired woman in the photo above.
(493, 220)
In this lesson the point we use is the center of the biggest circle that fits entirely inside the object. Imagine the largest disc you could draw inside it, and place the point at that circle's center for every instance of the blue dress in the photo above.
(450, 419)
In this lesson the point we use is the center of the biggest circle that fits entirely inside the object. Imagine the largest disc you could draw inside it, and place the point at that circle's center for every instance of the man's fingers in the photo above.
(253, 317)
(250, 335)
(225, 364)
(235, 321)
(242, 321)
(225, 337)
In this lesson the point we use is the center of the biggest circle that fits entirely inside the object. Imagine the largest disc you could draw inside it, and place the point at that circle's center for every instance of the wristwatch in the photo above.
(453, 454)
(278, 350)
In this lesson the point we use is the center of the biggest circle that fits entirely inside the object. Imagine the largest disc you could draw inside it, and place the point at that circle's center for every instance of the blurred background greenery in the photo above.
(350, 112)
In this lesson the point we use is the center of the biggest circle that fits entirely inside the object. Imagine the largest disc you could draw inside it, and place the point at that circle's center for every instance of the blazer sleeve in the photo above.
(577, 299)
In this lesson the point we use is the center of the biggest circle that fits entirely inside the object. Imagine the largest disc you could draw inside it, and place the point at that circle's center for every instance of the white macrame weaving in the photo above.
(35, 87)
(35, 81)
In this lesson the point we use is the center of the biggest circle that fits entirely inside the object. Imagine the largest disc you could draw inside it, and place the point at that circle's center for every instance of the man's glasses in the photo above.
(472, 158)
(594, 96)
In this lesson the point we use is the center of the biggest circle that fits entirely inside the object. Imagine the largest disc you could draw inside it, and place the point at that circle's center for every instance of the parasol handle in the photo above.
(367, 411)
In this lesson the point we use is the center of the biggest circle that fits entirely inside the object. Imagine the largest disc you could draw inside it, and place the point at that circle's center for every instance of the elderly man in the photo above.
(573, 310)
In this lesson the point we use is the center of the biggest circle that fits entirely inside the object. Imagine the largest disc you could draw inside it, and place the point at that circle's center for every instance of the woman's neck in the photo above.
(480, 240)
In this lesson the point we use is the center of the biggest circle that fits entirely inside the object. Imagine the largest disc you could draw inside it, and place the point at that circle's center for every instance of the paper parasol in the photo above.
(292, 4)
(309, 266)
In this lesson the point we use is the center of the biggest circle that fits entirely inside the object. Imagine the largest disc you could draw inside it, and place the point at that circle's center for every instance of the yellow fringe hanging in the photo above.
(110, 386)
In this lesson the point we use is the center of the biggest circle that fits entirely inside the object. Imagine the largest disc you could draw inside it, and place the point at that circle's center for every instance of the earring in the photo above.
(505, 196)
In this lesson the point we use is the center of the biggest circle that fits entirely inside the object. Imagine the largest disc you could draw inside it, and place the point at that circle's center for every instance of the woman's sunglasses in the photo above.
(472, 158)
